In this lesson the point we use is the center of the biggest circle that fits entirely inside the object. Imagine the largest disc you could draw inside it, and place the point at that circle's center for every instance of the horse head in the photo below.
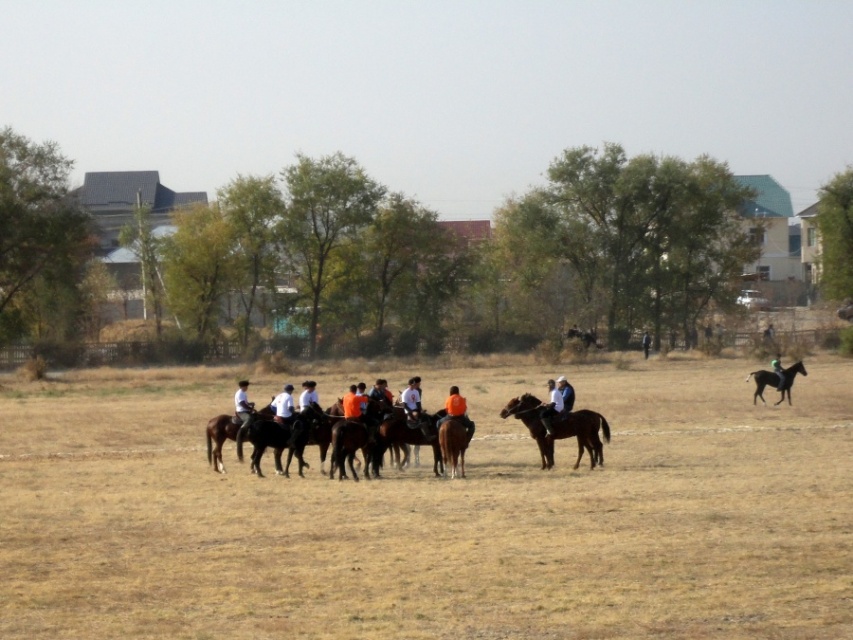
(799, 367)
(510, 408)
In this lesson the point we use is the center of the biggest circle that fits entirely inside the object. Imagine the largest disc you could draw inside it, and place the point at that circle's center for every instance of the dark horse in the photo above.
(583, 424)
(770, 378)
(348, 436)
(396, 432)
(265, 434)
(222, 428)
(454, 438)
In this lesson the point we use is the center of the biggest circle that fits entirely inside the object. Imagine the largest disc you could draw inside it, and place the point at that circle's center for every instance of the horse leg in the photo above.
(436, 459)
(286, 473)
(324, 449)
(541, 443)
(462, 461)
(580, 452)
(351, 459)
(218, 465)
(277, 454)
(759, 393)
(256, 460)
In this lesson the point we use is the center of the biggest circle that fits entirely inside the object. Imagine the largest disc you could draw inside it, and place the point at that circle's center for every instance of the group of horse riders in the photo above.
(355, 404)
(560, 403)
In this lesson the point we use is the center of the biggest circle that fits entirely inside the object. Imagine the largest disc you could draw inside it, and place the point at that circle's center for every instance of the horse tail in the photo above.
(239, 440)
(209, 447)
(606, 428)
(749, 376)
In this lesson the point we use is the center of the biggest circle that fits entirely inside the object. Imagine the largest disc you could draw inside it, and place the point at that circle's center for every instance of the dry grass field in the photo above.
(712, 518)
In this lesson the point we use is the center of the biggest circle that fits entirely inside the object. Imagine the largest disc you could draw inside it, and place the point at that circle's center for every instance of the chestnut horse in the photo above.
(583, 424)
(771, 378)
(454, 438)
(222, 428)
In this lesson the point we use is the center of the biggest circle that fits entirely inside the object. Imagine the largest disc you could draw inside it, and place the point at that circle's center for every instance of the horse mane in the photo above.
(528, 397)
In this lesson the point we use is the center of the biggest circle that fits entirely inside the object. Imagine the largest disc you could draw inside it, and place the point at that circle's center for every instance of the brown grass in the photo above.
(712, 518)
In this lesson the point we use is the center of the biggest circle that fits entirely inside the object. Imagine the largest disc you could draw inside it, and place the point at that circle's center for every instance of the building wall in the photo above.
(775, 254)
(811, 250)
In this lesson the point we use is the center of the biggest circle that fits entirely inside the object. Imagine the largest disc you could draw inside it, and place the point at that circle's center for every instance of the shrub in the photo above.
(33, 369)
(846, 347)
(274, 362)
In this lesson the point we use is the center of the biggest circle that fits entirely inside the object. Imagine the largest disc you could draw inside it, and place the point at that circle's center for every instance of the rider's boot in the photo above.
(546, 420)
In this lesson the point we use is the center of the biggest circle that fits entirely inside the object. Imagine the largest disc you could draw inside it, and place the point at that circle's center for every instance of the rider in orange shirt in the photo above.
(352, 404)
(457, 409)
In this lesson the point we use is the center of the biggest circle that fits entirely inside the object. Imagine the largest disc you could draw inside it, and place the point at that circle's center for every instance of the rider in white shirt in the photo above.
(284, 407)
(412, 404)
(551, 408)
(242, 407)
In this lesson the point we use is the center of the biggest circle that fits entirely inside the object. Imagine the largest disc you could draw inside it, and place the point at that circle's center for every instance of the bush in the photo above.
(33, 369)
(846, 347)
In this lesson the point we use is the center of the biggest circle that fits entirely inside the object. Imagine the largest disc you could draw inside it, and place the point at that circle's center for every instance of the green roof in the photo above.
(773, 199)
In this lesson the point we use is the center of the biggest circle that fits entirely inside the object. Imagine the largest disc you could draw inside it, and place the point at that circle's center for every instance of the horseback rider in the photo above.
(383, 397)
(243, 409)
(352, 404)
(309, 399)
(412, 405)
(777, 369)
(568, 392)
(457, 409)
(285, 413)
(551, 408)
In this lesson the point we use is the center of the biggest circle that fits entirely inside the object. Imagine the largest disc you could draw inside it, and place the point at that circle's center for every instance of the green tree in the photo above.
(199, 267)
(328, 201)
(252, 205)
(835, 222)
(45, 238)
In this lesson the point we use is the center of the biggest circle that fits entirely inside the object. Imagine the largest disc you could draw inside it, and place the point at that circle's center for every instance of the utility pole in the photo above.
(142, 254)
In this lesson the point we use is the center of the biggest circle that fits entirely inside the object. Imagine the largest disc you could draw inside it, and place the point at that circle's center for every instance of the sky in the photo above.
(458, 104)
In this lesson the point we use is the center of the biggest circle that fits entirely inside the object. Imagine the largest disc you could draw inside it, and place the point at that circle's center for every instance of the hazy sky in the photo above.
(458, 104)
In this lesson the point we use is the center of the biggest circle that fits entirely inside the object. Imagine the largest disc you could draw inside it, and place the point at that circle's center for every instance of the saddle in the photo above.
(236, 420)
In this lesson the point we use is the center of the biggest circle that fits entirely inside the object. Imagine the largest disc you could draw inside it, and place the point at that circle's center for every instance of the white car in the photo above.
(753, 299)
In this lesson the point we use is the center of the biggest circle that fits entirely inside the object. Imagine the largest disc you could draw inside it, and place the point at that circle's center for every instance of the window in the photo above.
(811, 237)
(763, 273)
(756, 236)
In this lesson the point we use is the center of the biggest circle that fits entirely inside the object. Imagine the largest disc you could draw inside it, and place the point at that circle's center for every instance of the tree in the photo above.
(835, 222)
(45, 238)
(328, 201)
(662, 234)
(199, 267)
(252, 205)
(138, 236)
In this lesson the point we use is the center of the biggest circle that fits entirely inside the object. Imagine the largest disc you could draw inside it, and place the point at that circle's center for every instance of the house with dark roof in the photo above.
(471, 232)
(766, 217)
(112, 196)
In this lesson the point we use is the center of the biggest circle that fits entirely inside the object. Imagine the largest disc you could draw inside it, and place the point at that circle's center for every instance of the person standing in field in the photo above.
(647, 344)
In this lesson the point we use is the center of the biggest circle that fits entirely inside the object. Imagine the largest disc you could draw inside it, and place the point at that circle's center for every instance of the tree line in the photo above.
(608, 242)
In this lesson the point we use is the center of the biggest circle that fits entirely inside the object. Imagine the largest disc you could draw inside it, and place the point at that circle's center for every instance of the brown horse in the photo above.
(396, 433)
(771, 378)
(222, 428)
(583, 424)
(348, 437)
(454, 439)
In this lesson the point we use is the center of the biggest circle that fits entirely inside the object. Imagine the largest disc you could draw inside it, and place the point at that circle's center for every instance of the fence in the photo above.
(140, 353)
